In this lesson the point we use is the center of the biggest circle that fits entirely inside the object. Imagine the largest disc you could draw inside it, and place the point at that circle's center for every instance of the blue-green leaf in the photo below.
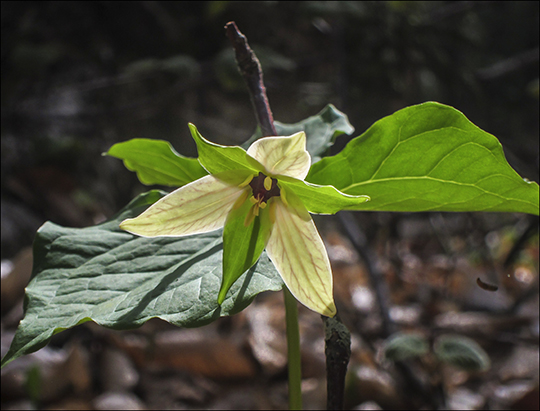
(461, 352)
(119, 280)
(321, 130)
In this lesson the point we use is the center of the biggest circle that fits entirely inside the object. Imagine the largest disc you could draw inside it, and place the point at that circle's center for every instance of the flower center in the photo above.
(263, 188)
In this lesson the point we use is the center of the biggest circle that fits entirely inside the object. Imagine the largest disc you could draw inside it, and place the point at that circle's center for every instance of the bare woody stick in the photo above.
(251, 71)
(338, 352)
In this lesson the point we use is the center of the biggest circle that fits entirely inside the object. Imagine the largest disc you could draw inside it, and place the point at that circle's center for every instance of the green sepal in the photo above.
(320, 199)
(156, 162)
(217, 158)
(293, 201)
(235, 177)
(242, 246)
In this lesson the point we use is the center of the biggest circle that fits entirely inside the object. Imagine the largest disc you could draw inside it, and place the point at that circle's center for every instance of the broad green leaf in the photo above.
(217, 158)
(461, 352)
(322, 199)
(428, 157)
(321, 130)
(156, 162)
(119, 280)
(402, 346)
(242, 246)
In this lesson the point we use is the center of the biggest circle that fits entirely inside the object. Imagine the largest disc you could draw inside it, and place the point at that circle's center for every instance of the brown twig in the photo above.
(250, 68)
(338, 352)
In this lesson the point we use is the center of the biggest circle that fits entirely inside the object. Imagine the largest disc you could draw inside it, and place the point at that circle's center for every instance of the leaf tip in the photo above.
(5, 361)
(221, 296)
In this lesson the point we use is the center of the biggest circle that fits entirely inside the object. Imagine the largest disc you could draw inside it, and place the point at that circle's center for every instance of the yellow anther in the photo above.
(283, 198)
(246, 181)
(262, 205)
(253, 200)
(267, 183)
(272, 211)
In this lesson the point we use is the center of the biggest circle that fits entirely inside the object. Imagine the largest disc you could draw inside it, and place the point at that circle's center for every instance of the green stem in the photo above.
(293, 351)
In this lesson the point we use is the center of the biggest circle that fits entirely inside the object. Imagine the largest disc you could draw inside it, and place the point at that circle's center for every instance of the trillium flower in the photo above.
(261, 200)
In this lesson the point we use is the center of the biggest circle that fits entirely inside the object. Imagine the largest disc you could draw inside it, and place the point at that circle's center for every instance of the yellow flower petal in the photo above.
(195, 208)
(296, 249)
(283, 155)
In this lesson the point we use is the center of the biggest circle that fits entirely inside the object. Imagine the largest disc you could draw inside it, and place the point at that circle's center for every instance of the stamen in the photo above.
(246, 181)
(267, 183)
(263, 188)
(272, 211)
(283, 198)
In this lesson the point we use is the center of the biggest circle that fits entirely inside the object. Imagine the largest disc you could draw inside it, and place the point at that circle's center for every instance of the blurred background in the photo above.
(78, 77)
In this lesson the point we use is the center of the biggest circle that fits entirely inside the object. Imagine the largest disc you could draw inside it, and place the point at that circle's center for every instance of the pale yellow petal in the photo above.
(297, 250)
(283, 155)
(195, 208)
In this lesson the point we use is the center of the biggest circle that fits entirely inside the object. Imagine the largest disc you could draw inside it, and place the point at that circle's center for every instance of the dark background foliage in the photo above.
(78, 77)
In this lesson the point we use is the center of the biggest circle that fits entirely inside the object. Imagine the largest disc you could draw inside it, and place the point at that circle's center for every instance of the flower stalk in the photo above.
(293, 351)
